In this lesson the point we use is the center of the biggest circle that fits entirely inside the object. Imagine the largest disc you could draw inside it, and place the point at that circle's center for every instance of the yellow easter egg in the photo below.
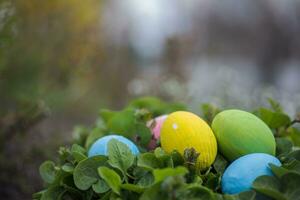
(182, 130)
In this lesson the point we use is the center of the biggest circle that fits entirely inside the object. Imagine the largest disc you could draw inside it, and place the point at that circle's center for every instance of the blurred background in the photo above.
(60, 61)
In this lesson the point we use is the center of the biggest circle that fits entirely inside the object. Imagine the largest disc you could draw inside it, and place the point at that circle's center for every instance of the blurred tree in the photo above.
(47, 54)
(53, 41)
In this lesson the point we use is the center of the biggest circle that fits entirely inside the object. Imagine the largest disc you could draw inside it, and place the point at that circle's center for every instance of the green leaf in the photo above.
(47, 171)
(193, 191)
(60, 175)
(78, 152)
(120, 156)
(106, 196)
(143, 115)
(53, 193)
(275, 105)
(248, 195)
(112, 179)
(197, 180)
(88, 195)
(38, 195)
(161, 174)
(177, 158)
(146, 180)
(290, 183)
(85, 173)
(65, 154)
(133, 188)
(283, 146)
(100, 186)
(278, 171)
(173, 186)
(172, 107)
(284, 189)
(153, 193)
(148, 161)
(269, 186)
(295, 136)
(294, 155)
(159, 152)
(293, 166)
(274, 119)
(123, 123)
(78, 156)
(220, 164)
(144, 133)
(78, 148)
(68, 167)
(209, 111)
(156, 106)
(68, 183)
(143, 177)
(213, 181)
(163, 157)
(106, 114)
(72, 190)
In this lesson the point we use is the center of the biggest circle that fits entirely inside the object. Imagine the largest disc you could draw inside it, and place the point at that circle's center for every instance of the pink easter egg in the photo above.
(155, 126)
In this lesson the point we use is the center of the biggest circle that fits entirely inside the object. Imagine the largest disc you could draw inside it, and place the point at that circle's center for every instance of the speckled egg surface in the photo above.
(183, 130)
(240, 133)
(100, 146)
(240, 174)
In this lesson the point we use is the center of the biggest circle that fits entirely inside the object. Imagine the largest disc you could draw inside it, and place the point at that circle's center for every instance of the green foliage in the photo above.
(120, 156)
(156, 106)
(284, 185)
(78, 152)
(209, 112)
(283, 146)
(47, 171)
(123, 122)
(157, 174)
(162, 174)
(149, 161)
(112, 179)
(101, 186)
(85, 173)
(279, 121)
(274, 119)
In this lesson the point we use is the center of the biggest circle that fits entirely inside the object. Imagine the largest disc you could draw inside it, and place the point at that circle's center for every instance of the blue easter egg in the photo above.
(240, 174)
(100, 146)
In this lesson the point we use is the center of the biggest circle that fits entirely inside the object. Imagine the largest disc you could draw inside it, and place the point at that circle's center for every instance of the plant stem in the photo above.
(295, 121)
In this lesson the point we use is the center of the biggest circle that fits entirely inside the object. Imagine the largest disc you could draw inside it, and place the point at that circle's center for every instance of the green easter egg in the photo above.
(239, 133)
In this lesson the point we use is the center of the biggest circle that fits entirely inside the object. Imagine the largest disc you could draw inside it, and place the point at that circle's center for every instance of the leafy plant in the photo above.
(156, 174)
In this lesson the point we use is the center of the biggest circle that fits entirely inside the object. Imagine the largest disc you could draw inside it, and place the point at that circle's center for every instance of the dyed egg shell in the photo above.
(239, 133)
(240, 174)
(183, 130)
(100, 146)
(155, 126)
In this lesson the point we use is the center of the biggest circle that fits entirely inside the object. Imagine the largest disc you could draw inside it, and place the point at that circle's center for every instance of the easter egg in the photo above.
(239, 133)
(182, 130)
(100, 146)
(240, 174)
(155, 126)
